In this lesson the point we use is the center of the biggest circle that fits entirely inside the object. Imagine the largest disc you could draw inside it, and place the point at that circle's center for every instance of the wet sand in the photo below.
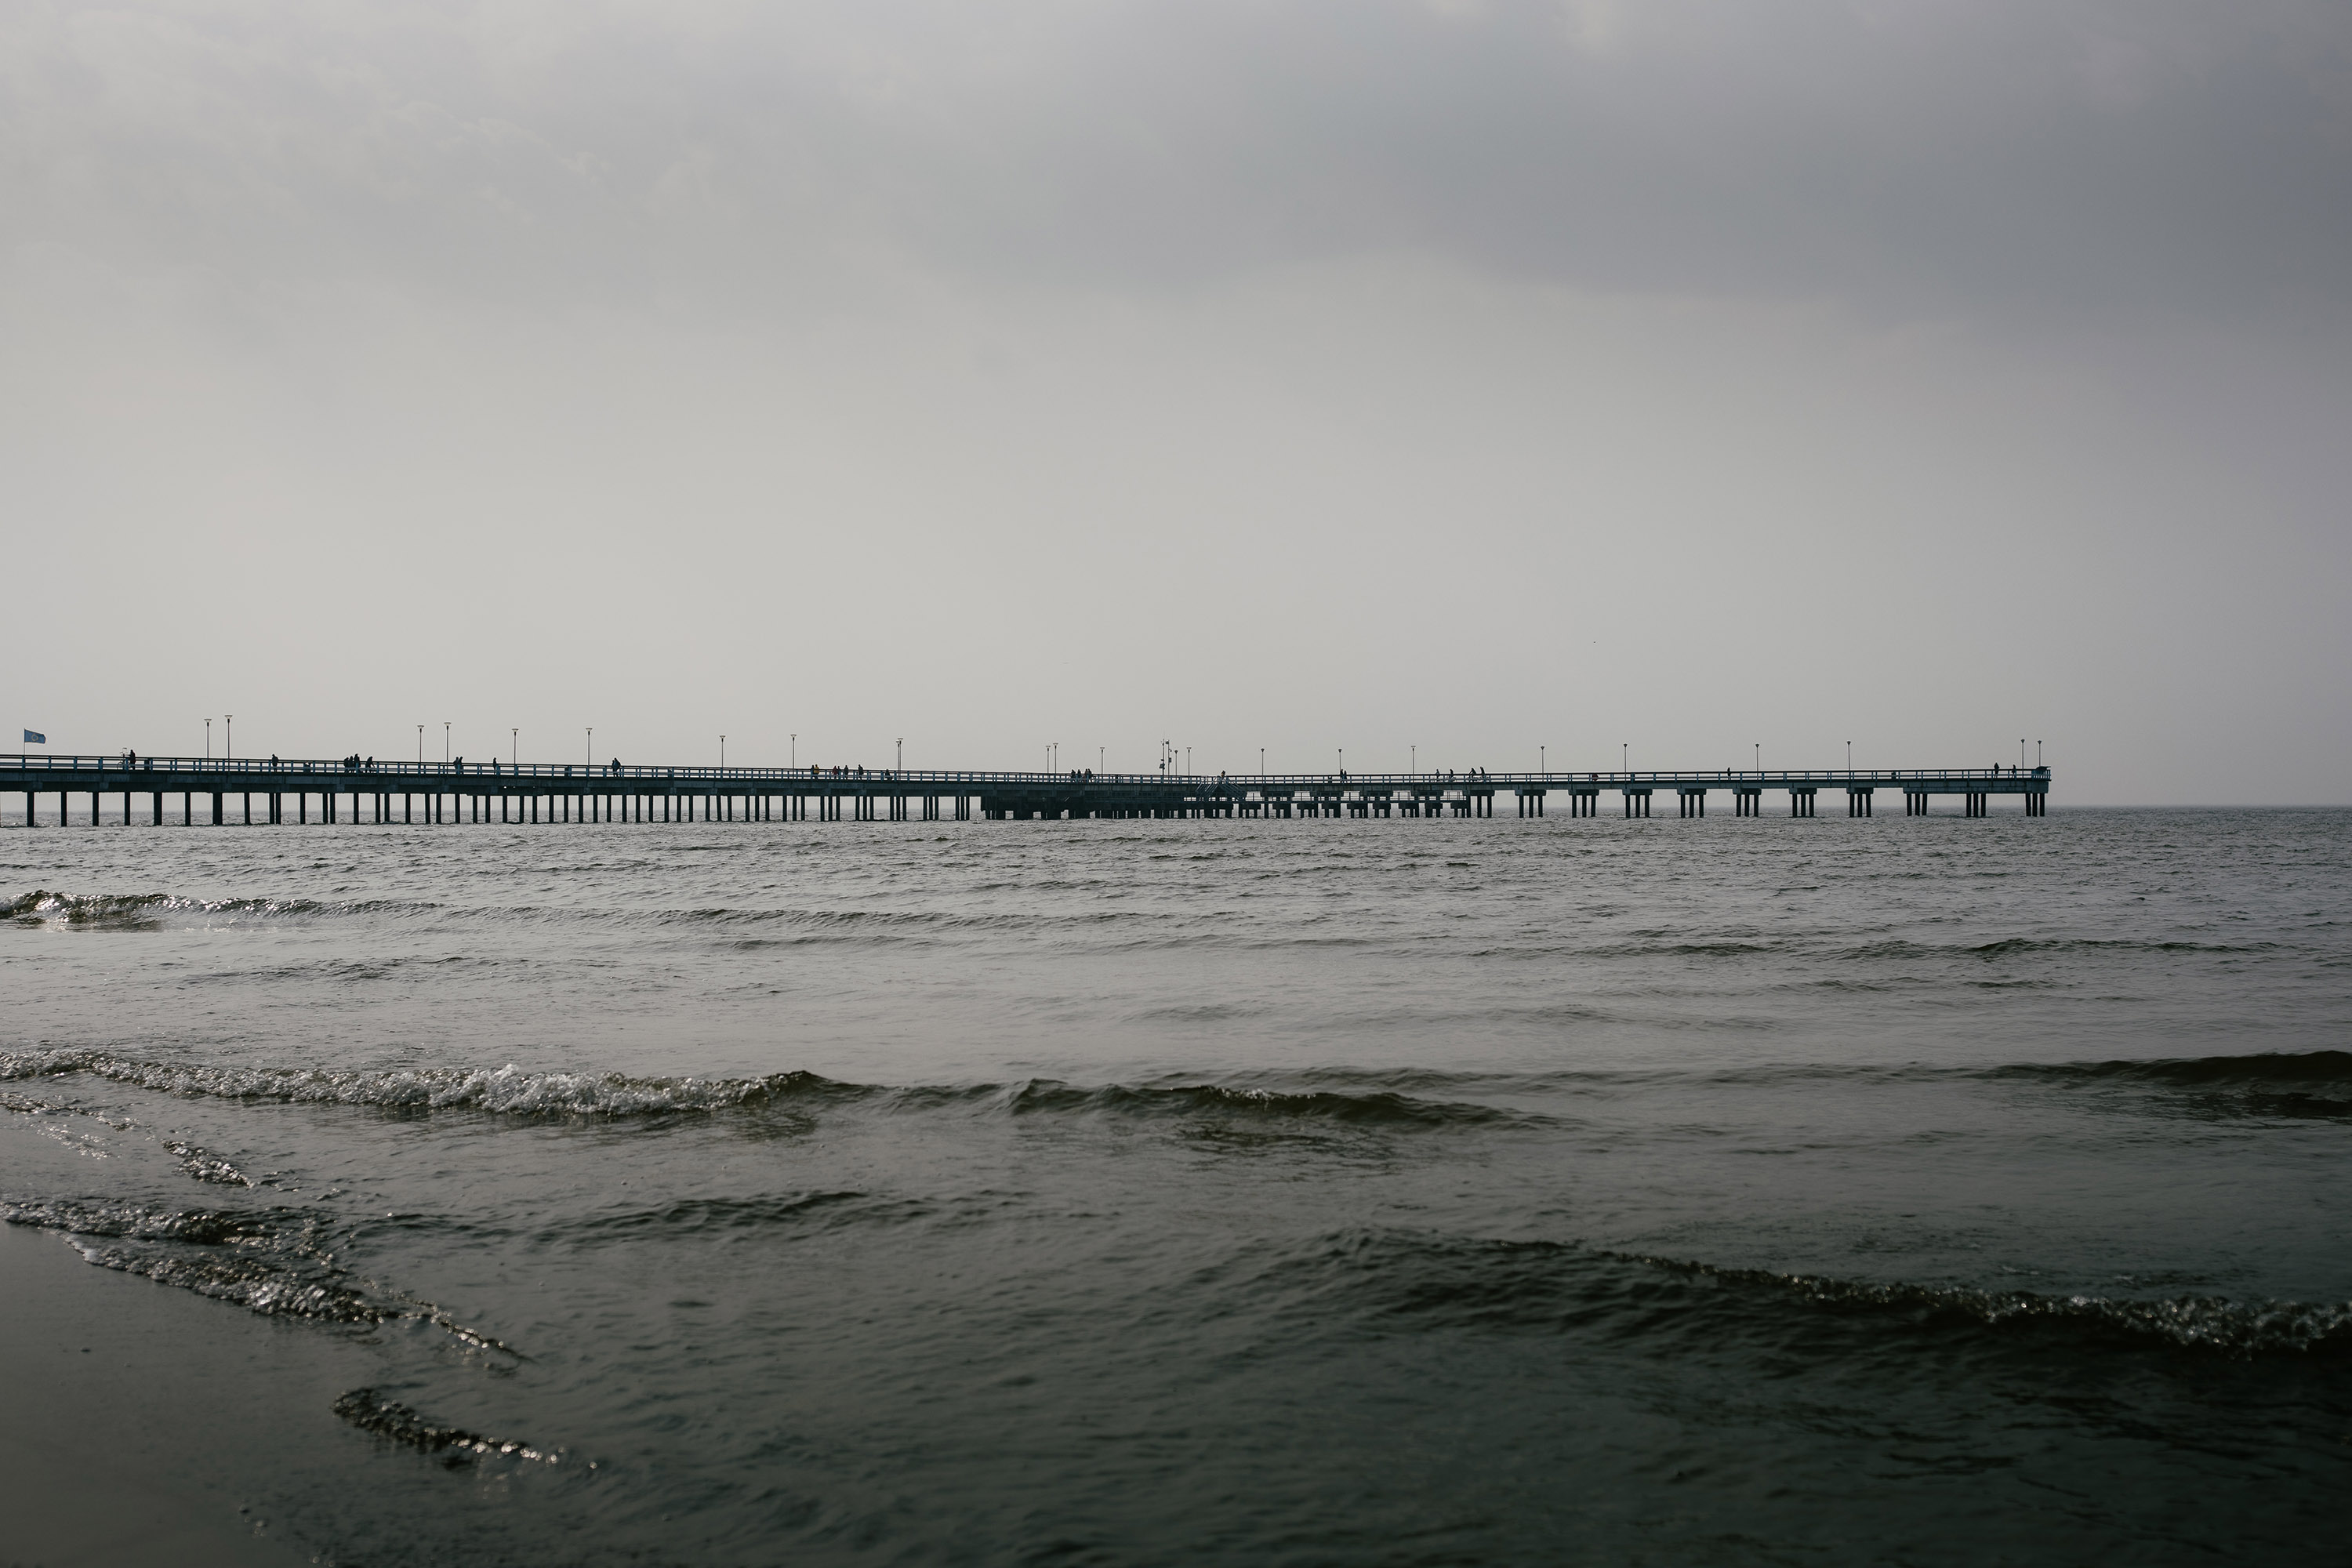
(124, 1432)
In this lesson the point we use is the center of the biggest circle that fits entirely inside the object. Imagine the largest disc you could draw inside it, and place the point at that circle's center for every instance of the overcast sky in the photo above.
(1473, 376)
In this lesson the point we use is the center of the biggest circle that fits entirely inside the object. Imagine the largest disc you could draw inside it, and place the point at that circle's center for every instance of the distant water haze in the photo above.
(1473, 378)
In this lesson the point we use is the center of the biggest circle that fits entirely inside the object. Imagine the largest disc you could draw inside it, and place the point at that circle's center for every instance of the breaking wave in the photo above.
(270, 1261)
(369, 1411)
(2285, 1084)
(515, 1092)
(204, 1165)
(508, 1090)
(131, 912)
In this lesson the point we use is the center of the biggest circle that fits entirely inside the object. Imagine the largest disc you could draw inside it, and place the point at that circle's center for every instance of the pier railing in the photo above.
(395, 774)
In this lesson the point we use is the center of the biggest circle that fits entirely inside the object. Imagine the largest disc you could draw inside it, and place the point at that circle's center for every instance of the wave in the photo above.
(256, 1287)
(2010, 947)
(204, 1226)
(1376, 1108)
(1668, 948)
(2252, 1069)
(1684, 1306)
(1179, 1101)
(21, 1106)
(146, 911)
(2213, 1323)
(925, 918)
(269, 1261)
(42, 904)
(206, 1165)
(508, 1090)
(2285, 1085)
(2110, 944)
(513, 1091)
(2282, 1071)
(261, 1270)
(1115, 929)
(2269, 1083)
(689, 1216)
(368, 1410)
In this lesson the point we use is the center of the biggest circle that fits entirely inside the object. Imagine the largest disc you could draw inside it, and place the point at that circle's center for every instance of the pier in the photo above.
(193, 791)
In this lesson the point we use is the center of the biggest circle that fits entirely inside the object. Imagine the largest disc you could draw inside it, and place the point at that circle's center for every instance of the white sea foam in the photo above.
(509, 1089)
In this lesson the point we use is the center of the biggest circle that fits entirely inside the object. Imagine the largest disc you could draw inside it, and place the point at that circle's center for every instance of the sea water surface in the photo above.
(1303, 1192)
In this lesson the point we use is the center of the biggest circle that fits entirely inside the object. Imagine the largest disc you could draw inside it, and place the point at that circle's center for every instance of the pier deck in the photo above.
(291, 790)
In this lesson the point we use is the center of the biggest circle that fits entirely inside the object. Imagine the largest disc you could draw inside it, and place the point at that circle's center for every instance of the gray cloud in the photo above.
(1948, 158)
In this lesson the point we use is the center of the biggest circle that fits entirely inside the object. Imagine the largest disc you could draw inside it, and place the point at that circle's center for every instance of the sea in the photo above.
(1303, 1192)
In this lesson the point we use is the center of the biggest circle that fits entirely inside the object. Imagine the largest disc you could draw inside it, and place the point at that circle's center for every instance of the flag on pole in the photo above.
(34, 738)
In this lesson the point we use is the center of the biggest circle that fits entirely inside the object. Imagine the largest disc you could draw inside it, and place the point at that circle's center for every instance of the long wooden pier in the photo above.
(218, 791)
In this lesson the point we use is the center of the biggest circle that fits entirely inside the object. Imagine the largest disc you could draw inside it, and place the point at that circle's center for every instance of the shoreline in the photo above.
(132, 1408)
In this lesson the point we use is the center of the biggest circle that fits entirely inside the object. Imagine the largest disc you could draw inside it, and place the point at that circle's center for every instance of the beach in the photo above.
(135, 1413)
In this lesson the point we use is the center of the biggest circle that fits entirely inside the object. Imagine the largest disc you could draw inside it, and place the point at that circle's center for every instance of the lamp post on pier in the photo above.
(514, 741)
(444, 742)
(209, 739)
(591, 746)
(228, 738)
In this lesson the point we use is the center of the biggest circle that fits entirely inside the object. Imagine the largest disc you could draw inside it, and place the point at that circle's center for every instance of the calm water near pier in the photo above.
(1315, 1192)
